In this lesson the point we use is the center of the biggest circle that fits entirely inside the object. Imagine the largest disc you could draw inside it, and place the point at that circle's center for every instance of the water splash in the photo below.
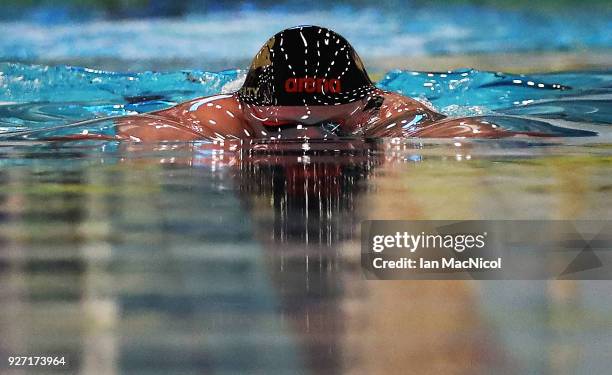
(35, 96)
(573, 96)
(39, 97)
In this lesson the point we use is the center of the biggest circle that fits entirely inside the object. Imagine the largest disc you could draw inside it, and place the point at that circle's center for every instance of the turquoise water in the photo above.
(204, 39)
(191, 258)
(198, 258)
(35, 99)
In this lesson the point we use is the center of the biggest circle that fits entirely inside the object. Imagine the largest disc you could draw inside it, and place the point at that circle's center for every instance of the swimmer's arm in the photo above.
(400, 116)
(146, 127)
(204, 118)
(154, 127)
(444, 127)
(464, 127)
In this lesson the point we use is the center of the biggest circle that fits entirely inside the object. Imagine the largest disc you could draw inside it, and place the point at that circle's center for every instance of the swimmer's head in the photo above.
(305, 65)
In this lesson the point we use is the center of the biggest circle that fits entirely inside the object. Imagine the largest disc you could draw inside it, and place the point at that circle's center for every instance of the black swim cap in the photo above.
(305, 65)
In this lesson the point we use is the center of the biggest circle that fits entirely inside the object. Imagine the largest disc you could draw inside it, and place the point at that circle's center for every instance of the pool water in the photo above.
(190, 258)
(179, 258)
(39, 101)
(228, 38)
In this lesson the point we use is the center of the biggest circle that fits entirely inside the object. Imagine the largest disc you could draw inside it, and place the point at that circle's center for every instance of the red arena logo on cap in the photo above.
(312, 85)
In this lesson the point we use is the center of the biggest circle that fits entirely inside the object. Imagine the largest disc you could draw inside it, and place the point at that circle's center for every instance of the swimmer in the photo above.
(306, 82)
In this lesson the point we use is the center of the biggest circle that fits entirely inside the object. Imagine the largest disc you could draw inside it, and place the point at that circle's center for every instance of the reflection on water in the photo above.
(201, 258)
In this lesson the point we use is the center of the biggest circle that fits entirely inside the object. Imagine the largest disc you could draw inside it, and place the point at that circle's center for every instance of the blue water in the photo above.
(179, 258)
(221, 39)
(204, 39)
(42, 97)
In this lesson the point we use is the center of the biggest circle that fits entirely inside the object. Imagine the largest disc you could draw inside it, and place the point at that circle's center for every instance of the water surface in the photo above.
(207, 258)
(187, 258)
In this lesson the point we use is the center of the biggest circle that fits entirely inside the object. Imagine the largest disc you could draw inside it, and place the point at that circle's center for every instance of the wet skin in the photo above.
(226, 117)
(305, 82)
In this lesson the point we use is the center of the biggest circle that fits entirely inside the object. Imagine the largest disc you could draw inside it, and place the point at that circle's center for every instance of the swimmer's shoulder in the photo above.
(394, 102)
(397, 115)
(220, 114)
(221, 107)
(398, 107)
